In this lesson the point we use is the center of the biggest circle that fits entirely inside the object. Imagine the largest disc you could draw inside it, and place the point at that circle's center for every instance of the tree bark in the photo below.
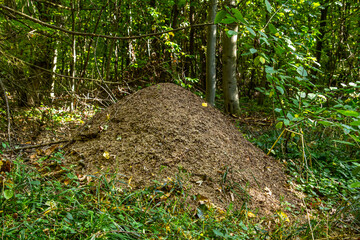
(211, 56)
(231, 94)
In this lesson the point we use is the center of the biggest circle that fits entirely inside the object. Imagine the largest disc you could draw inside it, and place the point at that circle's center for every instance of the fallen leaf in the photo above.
(106, 155)
(283, 216)
(250, 214)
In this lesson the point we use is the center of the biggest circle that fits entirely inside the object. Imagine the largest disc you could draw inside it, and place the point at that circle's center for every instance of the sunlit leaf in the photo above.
(106, 155)
(231, 33)
(280, 89)
(283, 216)
(279, 125)
(262, 60)
(220, 16)
(325, 123)
(268, 6)
(270, 70)
(251, 31)
(8, 193)
(250, 214)
(238, 15)
(228, 20)
(218, 233)
(355, 123)
(301, 70)
(348, 113)
(286, 122)
(355, 185)
(253, 50)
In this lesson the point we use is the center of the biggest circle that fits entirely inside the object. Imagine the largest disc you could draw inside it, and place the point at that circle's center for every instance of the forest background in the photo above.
(292, 66)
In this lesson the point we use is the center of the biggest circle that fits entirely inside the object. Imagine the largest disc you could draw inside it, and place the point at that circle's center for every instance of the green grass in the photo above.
(47, 206)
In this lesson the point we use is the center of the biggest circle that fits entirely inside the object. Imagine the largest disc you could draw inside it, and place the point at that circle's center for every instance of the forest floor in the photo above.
(166, 136)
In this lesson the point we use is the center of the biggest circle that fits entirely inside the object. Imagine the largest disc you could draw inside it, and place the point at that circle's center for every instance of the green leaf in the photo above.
(355, 123)
(355, 185)
(238, 15)
(218, 233)
(262, 60)
(356, 170)
(270, 70)
(289, 116)
(228, 20)
(220, 16)
(262, 34)
(280, 89)
(259, 59)
(253, 50)
(301, 70)
(344, 142)
(8, 193)
(231, 33)
(286, 122)
(69, 216)
(251, 31)
(325, 123)
(268, 6)
(272, 28)
(349, 113)
(279, 125)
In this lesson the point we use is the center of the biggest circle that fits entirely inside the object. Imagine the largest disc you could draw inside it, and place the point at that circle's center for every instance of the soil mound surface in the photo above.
(163, 132)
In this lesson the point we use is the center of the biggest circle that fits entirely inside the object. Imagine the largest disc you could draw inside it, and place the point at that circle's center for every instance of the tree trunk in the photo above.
(190, 68)
(73, 54)
(231, 94)
(211, 56)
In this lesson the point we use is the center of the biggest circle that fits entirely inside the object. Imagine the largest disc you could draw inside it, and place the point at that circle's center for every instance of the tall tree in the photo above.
(211, 55)
(229, 41)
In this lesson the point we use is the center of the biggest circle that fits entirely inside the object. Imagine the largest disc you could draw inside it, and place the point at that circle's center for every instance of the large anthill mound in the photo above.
(164, 131)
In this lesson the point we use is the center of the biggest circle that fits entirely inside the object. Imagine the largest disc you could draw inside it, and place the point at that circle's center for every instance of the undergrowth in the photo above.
(46, 200)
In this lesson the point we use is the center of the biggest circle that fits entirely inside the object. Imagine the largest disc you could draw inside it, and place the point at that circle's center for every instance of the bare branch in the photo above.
(97, 35)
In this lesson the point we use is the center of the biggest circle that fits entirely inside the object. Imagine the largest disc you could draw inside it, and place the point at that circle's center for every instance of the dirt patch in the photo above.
(164, 131)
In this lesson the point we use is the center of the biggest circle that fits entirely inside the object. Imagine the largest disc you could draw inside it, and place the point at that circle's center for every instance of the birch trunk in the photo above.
(211, 56)
(231, 94)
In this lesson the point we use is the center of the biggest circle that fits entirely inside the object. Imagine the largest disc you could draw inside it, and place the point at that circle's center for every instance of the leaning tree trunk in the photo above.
(231, 95)
(211, 56)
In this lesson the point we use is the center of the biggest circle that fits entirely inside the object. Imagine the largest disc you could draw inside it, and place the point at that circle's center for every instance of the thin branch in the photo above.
(7, 112)
(274, 15)
(38, 145)
(57, 74)
(98, 35)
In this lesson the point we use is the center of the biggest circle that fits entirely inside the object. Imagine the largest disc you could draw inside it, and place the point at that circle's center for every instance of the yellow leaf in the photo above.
(250, 214)
(67, 181)
(171, 34)
(108, 116)
(204, 104)
(106, 155)
(283, 216)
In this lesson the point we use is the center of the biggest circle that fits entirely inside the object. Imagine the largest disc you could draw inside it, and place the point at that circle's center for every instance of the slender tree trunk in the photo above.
(55, 58)
(319, 43)
(231, 94)
(73, 54)
(211, 56)
(190, 68)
